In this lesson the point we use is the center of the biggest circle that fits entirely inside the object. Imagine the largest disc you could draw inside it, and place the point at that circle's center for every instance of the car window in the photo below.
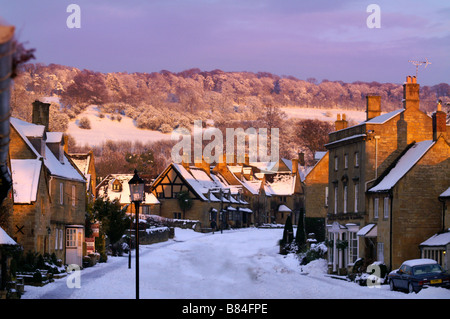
(408, 270)
(427, 269)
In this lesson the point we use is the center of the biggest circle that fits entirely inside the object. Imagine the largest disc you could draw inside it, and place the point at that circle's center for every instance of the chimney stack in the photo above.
(301, 159)
(295, 166)
(40, 114)
(373, 106)
(411, 93)
(340, 123)
(439, 122)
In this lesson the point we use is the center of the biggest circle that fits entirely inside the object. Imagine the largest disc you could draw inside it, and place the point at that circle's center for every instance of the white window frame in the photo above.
(335, 199)
(345, 160)
(336, 163)
(356, 197)
(386, 207)
(356, 159)
(61, 239)
(74, 191)
(61, 193)
(345, 198)
(326, 196)
(56, 239)
(375, 207)
(352, 247)
(380, 252)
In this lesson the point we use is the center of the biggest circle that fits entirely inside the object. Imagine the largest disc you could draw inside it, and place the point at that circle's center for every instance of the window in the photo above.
(177, 215)
(356, 198)
(375, 207)
(346, 161)
(352, 247)
(73, 194)
(335, 199)
(71, 237)
(356, 159)
(56, 239)
(380, 252)
(60, 239)
(386, 207)
(326, 196)
(345, 198)
(336, 161)
(61, 193)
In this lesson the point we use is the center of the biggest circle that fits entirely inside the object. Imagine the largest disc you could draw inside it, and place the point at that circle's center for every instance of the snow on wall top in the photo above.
(5, 239)
(437, 240)
(25, 175)
(406, 162)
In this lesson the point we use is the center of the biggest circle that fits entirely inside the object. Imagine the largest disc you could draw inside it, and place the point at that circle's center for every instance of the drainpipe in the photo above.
(391, 197)
(442, 200)
(6, 53)
(377, 137)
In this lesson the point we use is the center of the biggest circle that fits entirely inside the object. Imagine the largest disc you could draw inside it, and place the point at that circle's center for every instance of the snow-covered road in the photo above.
(238, 264)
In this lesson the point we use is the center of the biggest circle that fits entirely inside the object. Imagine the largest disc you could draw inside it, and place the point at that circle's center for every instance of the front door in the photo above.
(74, 245)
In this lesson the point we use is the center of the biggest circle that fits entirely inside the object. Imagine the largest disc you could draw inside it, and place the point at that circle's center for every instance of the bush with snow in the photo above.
(317, 251)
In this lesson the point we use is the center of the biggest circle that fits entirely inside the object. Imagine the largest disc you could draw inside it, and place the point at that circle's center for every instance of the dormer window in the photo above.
(116, 186)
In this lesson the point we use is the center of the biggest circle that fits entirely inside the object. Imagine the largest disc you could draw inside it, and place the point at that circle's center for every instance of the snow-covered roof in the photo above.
(284, 208)
(25, 175)
(370, 230)
(82, 161)
(123, 195)
(28, 129)
(446, 193)
(380, 119)
(282, 185)
(442, 239)
(5, 239)
(63, 169)
(54, 137)
(404, 164)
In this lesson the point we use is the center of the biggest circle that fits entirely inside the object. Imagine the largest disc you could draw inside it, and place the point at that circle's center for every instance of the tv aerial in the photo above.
(418, 63)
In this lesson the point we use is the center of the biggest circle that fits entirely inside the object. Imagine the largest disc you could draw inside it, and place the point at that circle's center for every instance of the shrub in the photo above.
(85, 123)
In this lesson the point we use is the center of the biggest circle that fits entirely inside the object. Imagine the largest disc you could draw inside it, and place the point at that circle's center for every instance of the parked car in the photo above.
(415, 274)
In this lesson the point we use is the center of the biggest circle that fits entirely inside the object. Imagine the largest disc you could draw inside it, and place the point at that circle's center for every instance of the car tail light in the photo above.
(423, 282)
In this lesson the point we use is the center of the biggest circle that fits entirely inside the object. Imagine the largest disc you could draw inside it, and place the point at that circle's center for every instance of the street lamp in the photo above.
(136, 196)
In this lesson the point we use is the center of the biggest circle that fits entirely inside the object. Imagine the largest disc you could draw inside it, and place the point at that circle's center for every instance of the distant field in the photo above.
(323, 114)
(103, 129)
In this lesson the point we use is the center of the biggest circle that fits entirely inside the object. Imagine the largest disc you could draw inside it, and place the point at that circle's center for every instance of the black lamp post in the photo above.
(137, 196)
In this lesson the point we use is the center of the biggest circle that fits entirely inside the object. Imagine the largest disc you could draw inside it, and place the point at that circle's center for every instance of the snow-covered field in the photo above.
(328, 115)
(238, 264)
(103, 129)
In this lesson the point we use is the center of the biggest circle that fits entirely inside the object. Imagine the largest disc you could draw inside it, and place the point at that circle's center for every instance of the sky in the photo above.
(322, 39)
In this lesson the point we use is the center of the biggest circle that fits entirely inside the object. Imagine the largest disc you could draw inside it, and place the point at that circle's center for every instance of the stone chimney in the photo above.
(40, 114)
(340, 123)
(373, 106)
(301, 159)
(411, 93)
(295, 166)
(439, 122)
(66, 143)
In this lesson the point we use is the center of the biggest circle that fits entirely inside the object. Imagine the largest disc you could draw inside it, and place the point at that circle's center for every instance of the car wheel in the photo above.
(411, 288)
(391, 285)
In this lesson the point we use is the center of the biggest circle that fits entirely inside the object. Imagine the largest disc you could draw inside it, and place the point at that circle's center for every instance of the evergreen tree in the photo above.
(300, 237)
